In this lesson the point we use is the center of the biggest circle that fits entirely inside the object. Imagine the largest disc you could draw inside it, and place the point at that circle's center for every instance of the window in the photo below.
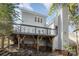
(41, 20)
(38, 20)
(35, 19)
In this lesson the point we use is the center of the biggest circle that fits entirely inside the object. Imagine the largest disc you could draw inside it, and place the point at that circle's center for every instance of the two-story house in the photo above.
(33, 29)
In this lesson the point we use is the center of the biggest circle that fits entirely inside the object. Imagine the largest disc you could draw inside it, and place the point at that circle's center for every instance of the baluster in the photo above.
(35, 30)
(24, 29)
(47, 31)
(20, 28)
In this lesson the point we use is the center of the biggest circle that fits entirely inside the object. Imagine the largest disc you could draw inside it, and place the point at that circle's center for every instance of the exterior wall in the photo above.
(41, 42)
(29, 18)
(35, 27)
(65, 24)
(55, 43)
(62, 38)
(72, 38)
(52, 25)
(59, 32)
(61, 22)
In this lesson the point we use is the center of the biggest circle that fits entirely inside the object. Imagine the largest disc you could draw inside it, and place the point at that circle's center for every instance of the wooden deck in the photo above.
(34, 30)
(32, 34)
(21, 34)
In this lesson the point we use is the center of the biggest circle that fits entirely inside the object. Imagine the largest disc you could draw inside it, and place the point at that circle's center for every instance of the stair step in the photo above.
(2, 52)
(9, 55)
(5, 54)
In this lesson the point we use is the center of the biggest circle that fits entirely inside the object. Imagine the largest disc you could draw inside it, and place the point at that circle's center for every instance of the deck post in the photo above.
(8, 42)
(18, 37)
(47, 32)
(23, 40)
(41, 38)
(37, 44)
(35, 30)
(2, 42)
(51, 40)
(34, 41)
(52, 45)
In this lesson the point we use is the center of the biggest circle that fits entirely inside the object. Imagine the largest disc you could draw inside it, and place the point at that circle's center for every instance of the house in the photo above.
(34, 19)
(34, 31)
(34, 24)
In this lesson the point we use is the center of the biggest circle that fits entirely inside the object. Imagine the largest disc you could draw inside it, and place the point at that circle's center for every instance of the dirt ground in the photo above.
(29, 51)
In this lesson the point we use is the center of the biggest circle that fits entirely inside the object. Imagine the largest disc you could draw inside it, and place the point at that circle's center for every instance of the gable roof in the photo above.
(32, 12)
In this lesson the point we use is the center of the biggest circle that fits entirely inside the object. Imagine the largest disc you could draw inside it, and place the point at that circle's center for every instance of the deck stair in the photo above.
(4, 53)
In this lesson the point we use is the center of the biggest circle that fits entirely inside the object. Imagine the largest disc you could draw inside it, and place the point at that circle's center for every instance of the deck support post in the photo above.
(8, 42)
(52, 45)
(34, 40)
(18, 37)
(2, 42)
(22, 40)
(41, 38)
(51, 40)
(37, 44)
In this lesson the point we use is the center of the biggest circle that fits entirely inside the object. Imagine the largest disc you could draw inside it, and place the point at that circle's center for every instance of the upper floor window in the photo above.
(38, 19)
(41, 20)
(35, 19)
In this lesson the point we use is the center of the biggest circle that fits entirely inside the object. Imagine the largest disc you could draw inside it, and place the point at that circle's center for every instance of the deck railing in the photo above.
(30, 29)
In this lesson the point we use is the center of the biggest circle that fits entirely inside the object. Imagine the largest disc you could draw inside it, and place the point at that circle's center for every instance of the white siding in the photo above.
(29, 19)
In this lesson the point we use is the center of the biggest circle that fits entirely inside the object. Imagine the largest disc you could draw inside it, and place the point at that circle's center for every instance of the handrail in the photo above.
(33, 26)
(45, 30)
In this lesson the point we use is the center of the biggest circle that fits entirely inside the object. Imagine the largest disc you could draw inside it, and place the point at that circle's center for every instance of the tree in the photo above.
(7, 15)
(75, 21)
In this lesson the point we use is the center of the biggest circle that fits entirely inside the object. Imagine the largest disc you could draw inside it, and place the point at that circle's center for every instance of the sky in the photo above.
(38, 7)
(42, 8)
